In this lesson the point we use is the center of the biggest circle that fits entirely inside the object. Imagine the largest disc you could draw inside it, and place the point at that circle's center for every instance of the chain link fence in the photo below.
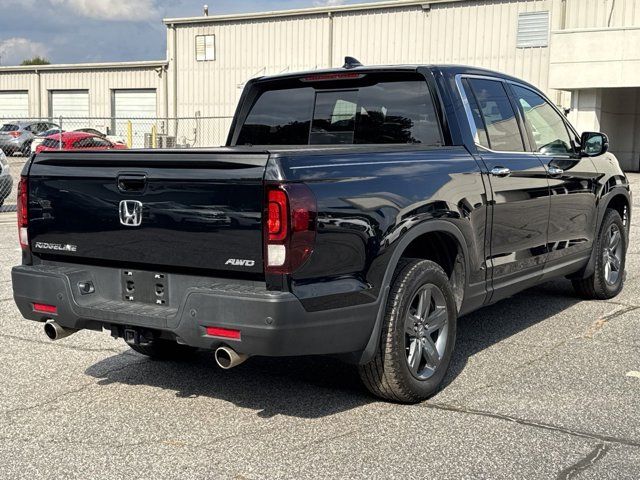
(23, 136)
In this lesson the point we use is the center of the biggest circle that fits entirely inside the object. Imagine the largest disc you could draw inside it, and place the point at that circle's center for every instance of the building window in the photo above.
(205, 48)
(533, 29)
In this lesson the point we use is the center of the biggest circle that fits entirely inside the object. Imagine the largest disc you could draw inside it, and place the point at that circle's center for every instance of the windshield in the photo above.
(53, 131)
(378, 108)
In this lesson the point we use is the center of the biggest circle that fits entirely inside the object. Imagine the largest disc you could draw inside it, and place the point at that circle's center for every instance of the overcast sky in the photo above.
(72, 31)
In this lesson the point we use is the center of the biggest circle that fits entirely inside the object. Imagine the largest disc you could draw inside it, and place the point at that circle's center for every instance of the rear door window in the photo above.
(481, 129)
(498, 116)
(372, 109)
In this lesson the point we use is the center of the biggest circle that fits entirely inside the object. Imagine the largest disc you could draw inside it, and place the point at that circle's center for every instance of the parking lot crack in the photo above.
(599, 324)
(530, 423)
(587, 462)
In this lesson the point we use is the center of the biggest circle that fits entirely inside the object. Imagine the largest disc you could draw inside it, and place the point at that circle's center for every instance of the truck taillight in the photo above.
(23, 217)
(277, 220)
(290, 227)
(14, 134)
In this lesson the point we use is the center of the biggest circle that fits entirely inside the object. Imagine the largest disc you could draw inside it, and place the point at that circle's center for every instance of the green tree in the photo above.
(37, 60)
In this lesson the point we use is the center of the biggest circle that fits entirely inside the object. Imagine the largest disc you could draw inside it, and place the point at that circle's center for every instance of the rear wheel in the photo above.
(611, 247)
(164, 350)
(418, 335)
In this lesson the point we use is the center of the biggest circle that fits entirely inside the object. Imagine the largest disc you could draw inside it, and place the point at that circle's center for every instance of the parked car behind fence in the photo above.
(77, 141)
(17, 136)
(20, 137)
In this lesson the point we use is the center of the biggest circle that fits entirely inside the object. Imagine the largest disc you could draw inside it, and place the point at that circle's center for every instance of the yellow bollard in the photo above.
(129, 133)
(154, 136)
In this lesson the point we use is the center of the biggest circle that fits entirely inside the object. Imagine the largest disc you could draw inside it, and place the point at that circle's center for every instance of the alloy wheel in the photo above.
(426, 329)
(612, 254)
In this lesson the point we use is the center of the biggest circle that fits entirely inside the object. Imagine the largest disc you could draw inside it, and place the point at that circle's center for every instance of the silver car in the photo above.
(16, 137)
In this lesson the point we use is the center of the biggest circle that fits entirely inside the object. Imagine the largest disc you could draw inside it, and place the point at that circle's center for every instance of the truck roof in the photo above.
(450, 69)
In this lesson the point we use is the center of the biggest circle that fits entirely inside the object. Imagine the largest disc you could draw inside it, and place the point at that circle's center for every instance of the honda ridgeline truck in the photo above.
(355, 212)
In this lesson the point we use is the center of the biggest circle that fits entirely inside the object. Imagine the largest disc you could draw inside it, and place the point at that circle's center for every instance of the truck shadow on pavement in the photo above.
(315, 387)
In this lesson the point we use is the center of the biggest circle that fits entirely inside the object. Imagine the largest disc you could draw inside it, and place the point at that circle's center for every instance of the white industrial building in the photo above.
(582, 53)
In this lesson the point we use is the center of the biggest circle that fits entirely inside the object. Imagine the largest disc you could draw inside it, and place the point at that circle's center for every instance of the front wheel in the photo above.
(418, 335)
(610, 250)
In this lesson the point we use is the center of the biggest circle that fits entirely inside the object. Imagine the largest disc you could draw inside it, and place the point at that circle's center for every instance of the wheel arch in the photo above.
(409, 244)
(620, 200)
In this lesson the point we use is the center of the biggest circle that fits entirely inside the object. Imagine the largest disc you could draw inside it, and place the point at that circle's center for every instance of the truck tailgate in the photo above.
(199, 209)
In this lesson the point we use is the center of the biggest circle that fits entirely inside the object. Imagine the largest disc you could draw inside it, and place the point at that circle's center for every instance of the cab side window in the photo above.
(547, 125)
(482, 138)
(498, 117)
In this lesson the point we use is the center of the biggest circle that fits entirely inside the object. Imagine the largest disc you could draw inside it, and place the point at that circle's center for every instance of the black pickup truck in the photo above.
(354, 212)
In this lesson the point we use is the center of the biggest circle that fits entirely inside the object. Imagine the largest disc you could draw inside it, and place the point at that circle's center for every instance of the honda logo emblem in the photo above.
(130, 213)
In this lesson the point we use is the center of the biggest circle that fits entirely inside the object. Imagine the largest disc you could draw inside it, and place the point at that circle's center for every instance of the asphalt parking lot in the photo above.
(543, 385)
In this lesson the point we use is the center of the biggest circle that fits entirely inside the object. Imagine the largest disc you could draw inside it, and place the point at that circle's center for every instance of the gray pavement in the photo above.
(543, 385)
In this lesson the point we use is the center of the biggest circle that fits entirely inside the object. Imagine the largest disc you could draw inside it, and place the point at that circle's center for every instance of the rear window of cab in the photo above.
(364, 108)
(7, 127)
(51, 143)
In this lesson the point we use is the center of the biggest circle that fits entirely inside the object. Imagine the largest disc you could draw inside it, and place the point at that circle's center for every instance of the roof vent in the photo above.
(350, 62)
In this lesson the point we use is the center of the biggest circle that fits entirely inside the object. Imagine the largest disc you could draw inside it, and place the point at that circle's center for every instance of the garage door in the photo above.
(137, 107)
(69, 103)
(14, 105)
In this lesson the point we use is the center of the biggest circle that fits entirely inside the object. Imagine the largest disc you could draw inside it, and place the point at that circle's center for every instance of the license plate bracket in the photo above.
(145, 287)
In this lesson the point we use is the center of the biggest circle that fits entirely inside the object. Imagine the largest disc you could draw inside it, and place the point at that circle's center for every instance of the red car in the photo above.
(77, 141)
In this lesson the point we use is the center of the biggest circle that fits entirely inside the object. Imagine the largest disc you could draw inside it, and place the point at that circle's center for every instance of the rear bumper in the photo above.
(10, 146)
(271, 323)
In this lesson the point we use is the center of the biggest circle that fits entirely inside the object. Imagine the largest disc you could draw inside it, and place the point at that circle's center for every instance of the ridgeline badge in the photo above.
(58, 247)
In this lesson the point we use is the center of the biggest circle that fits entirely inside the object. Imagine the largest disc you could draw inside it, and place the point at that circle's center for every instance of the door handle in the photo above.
(500, 172)
(555, 171)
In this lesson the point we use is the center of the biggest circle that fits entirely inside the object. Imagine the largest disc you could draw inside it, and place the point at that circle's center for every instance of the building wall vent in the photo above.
(205, 48)
(533, 29)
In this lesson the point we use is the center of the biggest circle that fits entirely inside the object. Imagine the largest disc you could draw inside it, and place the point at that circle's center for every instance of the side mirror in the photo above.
(593, 144)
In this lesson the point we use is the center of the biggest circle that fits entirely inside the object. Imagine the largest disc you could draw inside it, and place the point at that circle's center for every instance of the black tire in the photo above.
(597, 286)
(26, 149)
(165, 350)
(388, 374)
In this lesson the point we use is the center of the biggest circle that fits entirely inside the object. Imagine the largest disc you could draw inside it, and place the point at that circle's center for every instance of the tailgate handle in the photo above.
(132, 183)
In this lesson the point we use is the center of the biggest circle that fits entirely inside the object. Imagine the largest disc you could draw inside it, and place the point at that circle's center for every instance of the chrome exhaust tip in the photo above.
(227, 358)
(55, 331)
